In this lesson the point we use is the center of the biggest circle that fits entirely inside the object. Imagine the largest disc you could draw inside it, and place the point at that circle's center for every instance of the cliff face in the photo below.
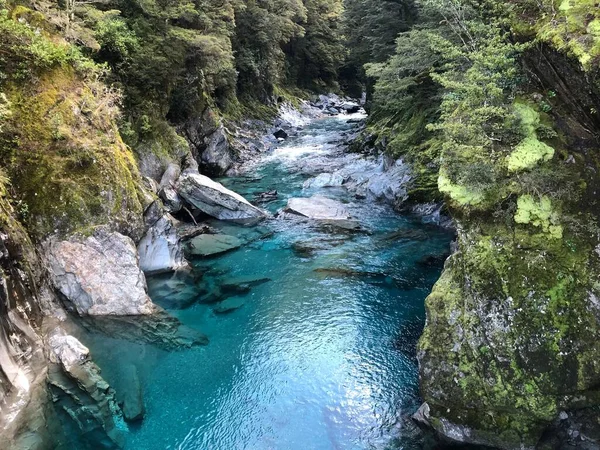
(511, 347)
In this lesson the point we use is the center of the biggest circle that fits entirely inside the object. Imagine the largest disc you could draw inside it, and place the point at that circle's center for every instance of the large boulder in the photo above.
(216, 200)
(160, 248)
(317, 207)
(217, 156)
(100, 275)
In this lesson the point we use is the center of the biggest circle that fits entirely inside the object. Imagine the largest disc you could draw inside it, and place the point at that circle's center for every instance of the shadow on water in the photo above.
(312, 330)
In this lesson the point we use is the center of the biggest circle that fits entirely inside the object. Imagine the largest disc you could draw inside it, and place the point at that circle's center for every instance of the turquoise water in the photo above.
(321, 353)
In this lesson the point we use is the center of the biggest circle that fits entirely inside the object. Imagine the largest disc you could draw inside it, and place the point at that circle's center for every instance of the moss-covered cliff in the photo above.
(496, 105)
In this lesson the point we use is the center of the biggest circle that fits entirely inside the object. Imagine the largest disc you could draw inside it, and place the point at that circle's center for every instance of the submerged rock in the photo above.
(216, 200)
(100, 275)
(160, 248)
(228, 305)
(317, 207)
(211, 244)
(82, 394)
(159, 329)
(130, 394)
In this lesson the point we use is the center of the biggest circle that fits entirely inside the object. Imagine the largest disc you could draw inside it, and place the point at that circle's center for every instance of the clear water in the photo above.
(320, 356)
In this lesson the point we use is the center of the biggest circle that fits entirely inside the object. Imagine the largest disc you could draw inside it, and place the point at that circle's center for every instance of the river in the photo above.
(321, 354)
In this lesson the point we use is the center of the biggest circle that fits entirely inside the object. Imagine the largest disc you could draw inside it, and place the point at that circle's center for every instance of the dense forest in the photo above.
(493, 105)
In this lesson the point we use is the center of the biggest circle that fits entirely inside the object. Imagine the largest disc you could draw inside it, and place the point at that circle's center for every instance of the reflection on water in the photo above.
(312, 330)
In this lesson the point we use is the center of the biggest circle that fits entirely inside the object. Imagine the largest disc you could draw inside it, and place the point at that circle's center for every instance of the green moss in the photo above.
(462, 195)
(528, 154)
(538, 213)
(65, 157)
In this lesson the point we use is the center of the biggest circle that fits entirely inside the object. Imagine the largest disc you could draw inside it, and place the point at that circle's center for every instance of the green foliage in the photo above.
(262, 29)
(371, 28)
(4, 109)
(314, 58)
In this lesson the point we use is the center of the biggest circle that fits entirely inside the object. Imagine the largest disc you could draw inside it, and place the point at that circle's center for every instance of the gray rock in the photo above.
(216, 200)
(153, 213)
(100, 275)
(217, 157)
(212, 244)
(160, 248)
(170, 176)
(171, 199)
(317, 207)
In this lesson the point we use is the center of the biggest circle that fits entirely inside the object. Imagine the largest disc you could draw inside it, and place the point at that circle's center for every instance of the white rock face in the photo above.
(99, 275)
(68, 350)
(216, 200)
(324, 180)
(160, 248)
(317, 207)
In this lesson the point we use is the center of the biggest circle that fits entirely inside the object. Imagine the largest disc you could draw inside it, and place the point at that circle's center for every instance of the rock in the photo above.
(80, 391)
(211, 244)
(130, 395)
(232, 284)
(324, 180)
(100, 275)
(171, 199)
(159, 329)
(153, 213)
(332, 111)
(422, 415)
(217, 157)
(160, 248)
(350, 107)
(228, 305)
(317, 207)
(170, 176)
(265, 197)
(214, 199)
(280, 134)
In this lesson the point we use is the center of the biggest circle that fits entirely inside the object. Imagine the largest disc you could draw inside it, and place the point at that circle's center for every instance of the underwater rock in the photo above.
(82, 394)
(211, 244)
(160, 248)
(317, 207)
(265, 197)
(234, 284)
(216, 200)
(100, 275)
(159, 329)
(130, 394)
(228, 305)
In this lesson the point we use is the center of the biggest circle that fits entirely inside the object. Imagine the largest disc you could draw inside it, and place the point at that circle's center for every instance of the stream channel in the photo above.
(321, 353)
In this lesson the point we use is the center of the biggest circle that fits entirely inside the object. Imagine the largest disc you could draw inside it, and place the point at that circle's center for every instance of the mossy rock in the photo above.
(512, 334)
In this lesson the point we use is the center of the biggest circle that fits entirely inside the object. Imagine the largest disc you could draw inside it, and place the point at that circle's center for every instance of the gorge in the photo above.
(299, 224)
